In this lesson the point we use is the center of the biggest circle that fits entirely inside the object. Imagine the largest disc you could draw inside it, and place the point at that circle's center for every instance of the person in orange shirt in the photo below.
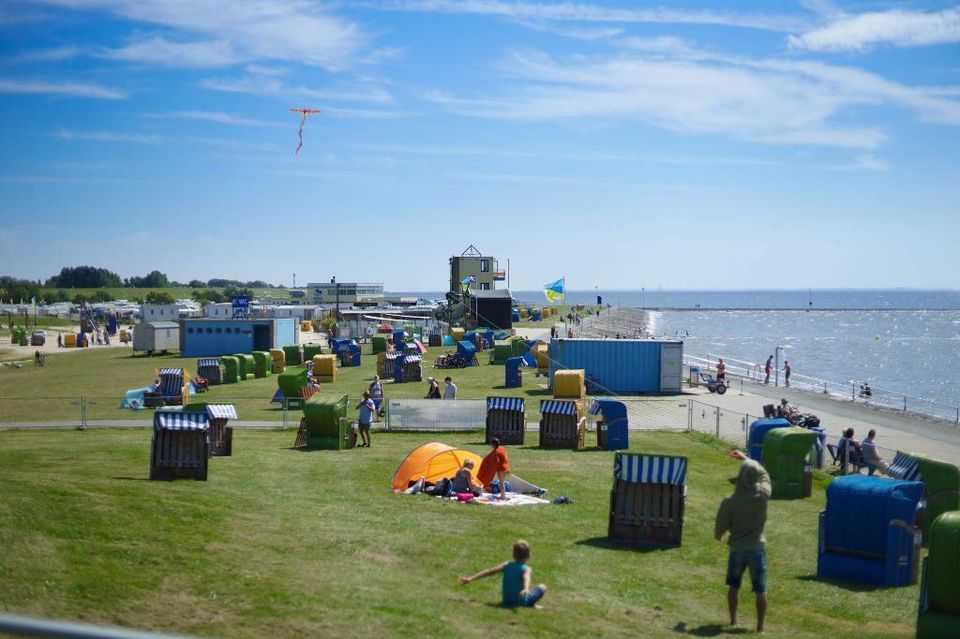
(495, 464)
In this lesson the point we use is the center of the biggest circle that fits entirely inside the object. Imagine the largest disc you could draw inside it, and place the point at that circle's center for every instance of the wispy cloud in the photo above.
(896, 27)
(210, 116)
(106, 136)
(258, 84)
(766, 100)
(582, 12)
(137, 138)
(61, 89)
(224, 32)
(55, 54)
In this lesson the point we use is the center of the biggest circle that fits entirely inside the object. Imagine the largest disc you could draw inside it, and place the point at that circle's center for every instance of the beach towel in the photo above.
(513, 499)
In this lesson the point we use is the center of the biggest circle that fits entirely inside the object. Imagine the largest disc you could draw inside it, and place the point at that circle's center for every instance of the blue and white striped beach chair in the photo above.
(180, 446)
(221, 435)
(648, 498)
(171, 385)
(506, 420)
(904, 467)
(562, 424)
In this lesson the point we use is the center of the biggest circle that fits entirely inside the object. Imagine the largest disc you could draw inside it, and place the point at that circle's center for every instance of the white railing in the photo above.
(855, 391)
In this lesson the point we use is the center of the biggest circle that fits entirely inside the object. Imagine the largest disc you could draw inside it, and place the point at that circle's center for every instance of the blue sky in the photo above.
(622, 144)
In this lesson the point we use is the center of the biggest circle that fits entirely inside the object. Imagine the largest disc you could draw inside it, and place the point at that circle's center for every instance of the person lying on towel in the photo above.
(495, 464)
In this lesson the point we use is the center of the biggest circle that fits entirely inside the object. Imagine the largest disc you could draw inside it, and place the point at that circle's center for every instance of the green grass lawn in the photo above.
(287, 543)
(104, 374)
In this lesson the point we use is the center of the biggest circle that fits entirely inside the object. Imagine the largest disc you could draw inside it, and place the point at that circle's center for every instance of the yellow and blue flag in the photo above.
(555, 291)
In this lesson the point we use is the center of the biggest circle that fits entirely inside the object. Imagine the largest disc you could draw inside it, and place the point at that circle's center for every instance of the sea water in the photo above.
(902, 341)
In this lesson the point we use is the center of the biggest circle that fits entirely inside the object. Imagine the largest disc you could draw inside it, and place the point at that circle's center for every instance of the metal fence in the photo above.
(93, 411)
(436, 415)
(855, 391)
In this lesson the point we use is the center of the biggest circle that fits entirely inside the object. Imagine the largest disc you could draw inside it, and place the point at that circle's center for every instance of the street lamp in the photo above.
(776, 353)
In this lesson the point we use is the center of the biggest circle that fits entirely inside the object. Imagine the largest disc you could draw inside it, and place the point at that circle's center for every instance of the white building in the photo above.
(220, 310)
(345, 293)
(159, 312)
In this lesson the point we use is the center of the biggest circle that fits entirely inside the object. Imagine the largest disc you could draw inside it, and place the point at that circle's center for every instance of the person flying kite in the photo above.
(303, 120)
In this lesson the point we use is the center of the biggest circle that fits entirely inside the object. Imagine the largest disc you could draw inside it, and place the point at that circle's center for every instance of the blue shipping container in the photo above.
(614, 365)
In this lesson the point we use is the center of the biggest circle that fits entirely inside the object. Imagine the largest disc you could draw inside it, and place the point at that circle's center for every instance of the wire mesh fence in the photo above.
(436, 415)
(93, 411)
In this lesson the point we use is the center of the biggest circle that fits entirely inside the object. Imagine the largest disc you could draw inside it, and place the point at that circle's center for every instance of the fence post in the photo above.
(853, 391)
(717, 409)
(904, 402)
(746, 431)
(824, 387)
(83, 412)
(689, 414)
(286, 408)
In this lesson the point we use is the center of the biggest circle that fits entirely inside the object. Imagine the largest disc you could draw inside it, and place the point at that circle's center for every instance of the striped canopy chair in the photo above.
(506, 419)
(180, 446)
(221, 435)
(562, 424)
(647, 499)
(209, 369)
(172, 381)
(941, 484)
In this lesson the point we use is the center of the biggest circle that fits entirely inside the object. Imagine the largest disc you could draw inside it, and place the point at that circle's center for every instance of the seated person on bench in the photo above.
(855, 455)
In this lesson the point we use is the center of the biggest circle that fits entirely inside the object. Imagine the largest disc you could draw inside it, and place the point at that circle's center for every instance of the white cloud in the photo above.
(61, 89)
(774, 101)
(267, 85)
(162, 52)
(210, 116)
(581, 12)
(896, 27)
(56, 54)
(223, 32)
(105, 136)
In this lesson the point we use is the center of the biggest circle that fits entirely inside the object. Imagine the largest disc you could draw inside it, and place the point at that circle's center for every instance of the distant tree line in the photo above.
(56, 289)
(93, 277)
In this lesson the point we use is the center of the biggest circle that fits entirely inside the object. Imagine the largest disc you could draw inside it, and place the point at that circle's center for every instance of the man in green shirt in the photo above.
(744, 514)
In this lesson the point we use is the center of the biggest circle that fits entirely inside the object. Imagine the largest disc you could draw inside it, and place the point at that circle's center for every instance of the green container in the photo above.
(785, 453)
(310, 351)
(262, 363)
(247, 365)
(942, 617)
(502, 351)
(941, 487)
(293, 356)
(379, 344)
(326, 420)
(231, 369)
(519, 347)
(291, 381)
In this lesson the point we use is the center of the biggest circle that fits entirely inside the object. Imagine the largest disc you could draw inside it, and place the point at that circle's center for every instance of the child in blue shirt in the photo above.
(516, 578)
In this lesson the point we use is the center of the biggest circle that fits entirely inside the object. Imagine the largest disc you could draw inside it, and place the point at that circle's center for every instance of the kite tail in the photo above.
(300, 136)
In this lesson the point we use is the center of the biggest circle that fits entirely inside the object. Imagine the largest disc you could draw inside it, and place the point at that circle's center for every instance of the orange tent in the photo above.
(433, 462)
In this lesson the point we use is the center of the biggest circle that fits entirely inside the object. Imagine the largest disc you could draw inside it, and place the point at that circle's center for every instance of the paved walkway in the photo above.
(895, 429)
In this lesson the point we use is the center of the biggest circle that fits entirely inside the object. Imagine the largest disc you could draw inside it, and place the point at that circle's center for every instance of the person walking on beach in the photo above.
(744, 515)
(721, 370)
(516, 579)
(786, 373)
(367, 409)
(767, 369)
